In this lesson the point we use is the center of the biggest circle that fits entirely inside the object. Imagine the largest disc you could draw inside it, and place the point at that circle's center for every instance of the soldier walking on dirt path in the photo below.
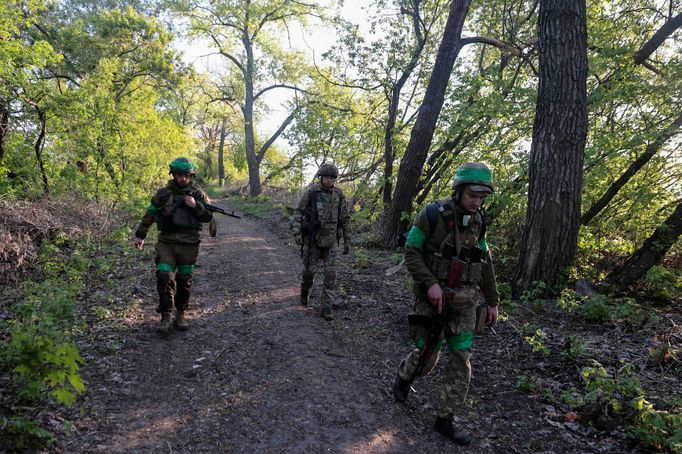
(444, 232)
(179, 212)
(320, 220)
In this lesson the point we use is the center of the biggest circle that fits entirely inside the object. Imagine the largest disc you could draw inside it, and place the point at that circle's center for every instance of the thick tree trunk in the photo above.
(651, 150)
(422, 133)
(251, 159)
(557, 149)
(651, 252)
(221, 152)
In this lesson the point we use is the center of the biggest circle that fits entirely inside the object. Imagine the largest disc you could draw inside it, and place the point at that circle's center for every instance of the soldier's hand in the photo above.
(190, 202)
(139, 243)
(492, 315)
(298, 239)
(346, 248)
(435, 295)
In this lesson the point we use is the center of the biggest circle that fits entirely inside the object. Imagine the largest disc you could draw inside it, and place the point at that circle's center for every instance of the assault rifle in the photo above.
(179, 200)
(439, 321)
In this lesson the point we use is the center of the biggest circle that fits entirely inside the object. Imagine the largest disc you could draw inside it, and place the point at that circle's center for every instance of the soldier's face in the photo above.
(328, 181)
(472, 201)
(182, 179)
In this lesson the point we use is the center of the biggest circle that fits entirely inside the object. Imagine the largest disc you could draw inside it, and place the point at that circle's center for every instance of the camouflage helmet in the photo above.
(328, 170)
(477, 176)
(182, 165)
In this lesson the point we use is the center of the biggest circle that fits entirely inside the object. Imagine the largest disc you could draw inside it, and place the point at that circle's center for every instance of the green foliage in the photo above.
(575, 349)
(531, 384)
(534, 298)
(568, 300)
(538, 341)
(361, 260)
(23, 434)
(663, 283)
(622, 393)
(606, 310)
(661, 430)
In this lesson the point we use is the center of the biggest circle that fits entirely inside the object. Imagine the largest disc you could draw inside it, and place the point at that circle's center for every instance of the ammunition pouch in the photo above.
(481, 318)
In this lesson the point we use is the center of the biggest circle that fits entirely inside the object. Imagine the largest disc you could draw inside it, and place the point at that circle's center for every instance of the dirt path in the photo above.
(257, 372)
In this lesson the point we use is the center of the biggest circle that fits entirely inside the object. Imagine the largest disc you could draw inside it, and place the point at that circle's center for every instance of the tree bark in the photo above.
(38, 148)
(221, 152)
(422, 133)
(4, 126)
(389, 130)
(651, 252)
(558, 145)
(611, 192)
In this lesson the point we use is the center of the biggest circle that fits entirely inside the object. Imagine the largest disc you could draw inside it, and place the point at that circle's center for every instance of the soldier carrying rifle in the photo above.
(179, 209)
(448, 257)
(320, 220)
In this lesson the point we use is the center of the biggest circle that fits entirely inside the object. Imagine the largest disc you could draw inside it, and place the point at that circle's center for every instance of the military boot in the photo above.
(304, 295)
(180, 321)
(401, 389)
(444, 427)
(165, 324)
(327, 314)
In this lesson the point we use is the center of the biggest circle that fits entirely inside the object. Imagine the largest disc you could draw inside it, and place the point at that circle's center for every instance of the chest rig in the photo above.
(173, 215)
(463, 238)
(328, 205)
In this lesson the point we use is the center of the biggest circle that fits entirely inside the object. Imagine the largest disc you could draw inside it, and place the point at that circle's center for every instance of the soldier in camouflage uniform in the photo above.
(320, 219)
(460, 222)
(178, 211)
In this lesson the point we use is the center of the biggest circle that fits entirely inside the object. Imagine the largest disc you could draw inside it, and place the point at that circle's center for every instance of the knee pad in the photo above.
(329, 278)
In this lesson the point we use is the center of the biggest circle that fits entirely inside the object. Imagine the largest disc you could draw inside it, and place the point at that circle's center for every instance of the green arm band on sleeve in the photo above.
(185, 270)
(151, 208)
(460, 341)
(165, 267)
(483, 244)
(415, 238)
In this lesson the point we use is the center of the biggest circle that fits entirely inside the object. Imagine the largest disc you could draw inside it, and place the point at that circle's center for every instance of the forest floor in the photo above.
(258, 372)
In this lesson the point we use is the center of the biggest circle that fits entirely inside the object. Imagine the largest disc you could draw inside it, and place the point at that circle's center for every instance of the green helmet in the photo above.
(477, 176)
(182, 165)
(328, 170)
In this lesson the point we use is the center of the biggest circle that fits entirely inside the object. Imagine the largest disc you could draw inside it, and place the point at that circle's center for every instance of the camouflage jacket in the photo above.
(333, 219)
(424, 252)
(177, 223)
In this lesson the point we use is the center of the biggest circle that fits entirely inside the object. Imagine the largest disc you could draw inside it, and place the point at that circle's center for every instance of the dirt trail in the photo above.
(256, 371)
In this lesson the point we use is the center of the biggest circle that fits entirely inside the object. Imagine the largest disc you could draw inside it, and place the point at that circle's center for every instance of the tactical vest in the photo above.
(173, 215)
(329, 214)
(438, 250)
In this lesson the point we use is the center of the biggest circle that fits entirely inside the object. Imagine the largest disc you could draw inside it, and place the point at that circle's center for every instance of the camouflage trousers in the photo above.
(311, 259)
(174, 268)
(458, 335)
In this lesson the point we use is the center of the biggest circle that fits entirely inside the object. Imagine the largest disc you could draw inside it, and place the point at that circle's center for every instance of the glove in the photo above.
(346, 248)
(299, 240)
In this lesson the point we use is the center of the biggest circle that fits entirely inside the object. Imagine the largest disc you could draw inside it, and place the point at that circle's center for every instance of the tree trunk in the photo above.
(221, 152)
(651, 150)
(558, 145)
(651, 252)
(422, 133)
(4, 126)
(389, 131)
(251, 158)
(38, 148)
